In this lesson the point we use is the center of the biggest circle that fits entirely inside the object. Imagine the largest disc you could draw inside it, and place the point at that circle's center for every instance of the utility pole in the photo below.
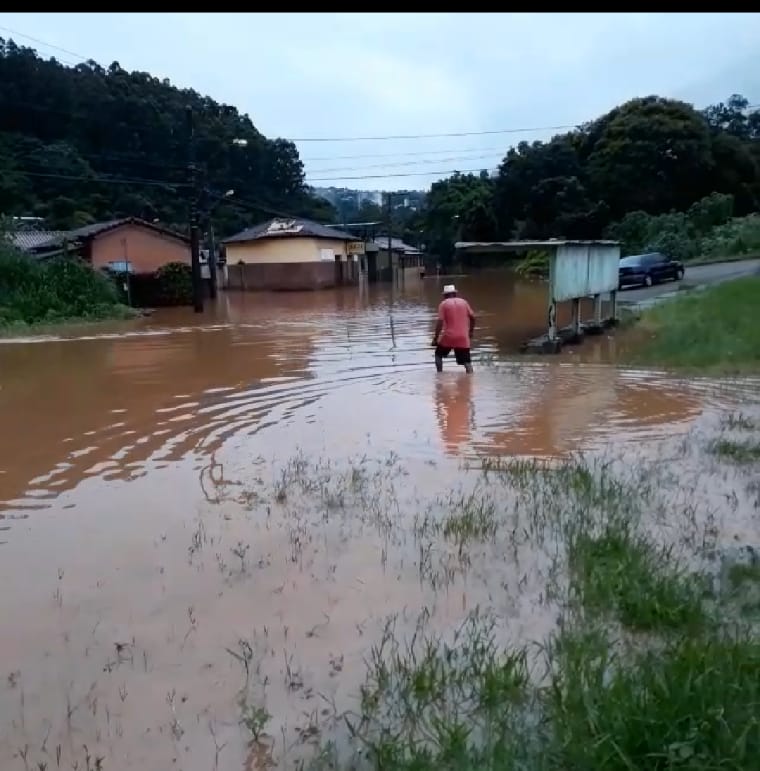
(195, 250)
(211, 260)
(390, 237)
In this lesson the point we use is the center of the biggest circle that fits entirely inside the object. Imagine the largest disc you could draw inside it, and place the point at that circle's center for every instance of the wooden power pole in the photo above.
(195, 247)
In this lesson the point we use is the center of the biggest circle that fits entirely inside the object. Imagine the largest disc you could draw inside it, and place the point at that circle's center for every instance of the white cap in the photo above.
(449, 289)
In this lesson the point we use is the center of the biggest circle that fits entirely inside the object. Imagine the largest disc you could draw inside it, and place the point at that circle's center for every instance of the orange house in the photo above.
(145, 246)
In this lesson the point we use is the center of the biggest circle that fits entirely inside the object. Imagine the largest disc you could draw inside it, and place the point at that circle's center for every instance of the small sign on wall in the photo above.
(328, 255)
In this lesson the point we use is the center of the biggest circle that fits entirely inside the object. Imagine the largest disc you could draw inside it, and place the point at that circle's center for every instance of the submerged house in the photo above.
(130, 248)
(292, 254)
(127, 245)
(399, 263)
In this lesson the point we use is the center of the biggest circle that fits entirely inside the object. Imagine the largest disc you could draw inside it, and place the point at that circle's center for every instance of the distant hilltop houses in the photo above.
(337, 196)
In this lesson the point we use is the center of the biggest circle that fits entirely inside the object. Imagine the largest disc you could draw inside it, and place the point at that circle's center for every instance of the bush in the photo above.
(706, 229)
(534, 265)
(712, 211)
(32, 292)
(175, 283)
(736, 237)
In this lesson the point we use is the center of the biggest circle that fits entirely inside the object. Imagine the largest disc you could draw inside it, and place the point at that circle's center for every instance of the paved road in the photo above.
(696, 275)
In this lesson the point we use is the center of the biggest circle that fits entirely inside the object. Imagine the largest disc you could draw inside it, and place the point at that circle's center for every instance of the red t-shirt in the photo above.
(455, 313)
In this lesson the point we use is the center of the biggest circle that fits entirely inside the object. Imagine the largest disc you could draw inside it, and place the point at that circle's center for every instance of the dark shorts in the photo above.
(462, 355)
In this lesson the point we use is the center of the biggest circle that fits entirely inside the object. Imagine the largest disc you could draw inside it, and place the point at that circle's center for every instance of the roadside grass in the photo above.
(692, 703)
(620, 573)
(738, 421)
(681, 692)
(742, 573)
(711, 330)
(741, 452)
(439, 704)
(98, 318)
(472, 517)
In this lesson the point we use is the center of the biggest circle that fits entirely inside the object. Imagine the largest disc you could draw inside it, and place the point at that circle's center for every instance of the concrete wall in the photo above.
(146, 249)
(291, 276)
(267, 251)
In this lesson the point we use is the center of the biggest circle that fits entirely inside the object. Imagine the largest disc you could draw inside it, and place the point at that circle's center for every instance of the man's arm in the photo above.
(472, 319)
(437, 333)
(438, 326)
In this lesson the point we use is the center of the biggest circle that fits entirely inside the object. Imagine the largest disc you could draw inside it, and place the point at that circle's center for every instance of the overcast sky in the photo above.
(305, 76)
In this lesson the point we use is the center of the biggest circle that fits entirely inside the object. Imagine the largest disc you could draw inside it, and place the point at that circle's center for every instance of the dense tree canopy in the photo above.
(651, 156)
(81, 144)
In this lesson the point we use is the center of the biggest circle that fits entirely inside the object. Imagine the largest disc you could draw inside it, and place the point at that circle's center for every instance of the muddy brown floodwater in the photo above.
(186, 497)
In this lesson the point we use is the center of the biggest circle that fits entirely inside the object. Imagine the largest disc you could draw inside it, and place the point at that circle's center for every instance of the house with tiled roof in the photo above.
(128, 244)
(294, 254)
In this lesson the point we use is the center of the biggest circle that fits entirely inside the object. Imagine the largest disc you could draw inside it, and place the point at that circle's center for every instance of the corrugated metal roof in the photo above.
(51, 241)
(396, 245)
(289, 228)
(33, 239)
(520, 245)
(88, 231)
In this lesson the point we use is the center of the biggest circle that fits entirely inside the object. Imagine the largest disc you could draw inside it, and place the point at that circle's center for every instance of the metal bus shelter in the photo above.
(577, 269)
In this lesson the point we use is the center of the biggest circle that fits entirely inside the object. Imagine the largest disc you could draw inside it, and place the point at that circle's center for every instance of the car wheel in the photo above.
(679, 274)
(648, 280)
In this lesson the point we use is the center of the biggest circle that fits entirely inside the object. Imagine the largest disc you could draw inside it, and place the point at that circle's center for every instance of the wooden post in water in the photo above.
(552, 334)
(576, 323)
(598, 309)
(613, 307)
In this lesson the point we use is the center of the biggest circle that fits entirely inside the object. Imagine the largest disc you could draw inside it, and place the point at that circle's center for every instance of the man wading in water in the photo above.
(454, 328)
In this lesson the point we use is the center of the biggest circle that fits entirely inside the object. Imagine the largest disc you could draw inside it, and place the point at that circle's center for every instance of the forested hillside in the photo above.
(82, 144)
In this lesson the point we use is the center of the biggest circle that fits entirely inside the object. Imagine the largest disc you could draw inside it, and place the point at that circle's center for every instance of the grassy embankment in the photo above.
(35, 296)
(714, 330)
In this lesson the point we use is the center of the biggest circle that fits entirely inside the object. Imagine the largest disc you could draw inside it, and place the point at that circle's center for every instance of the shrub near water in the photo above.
(63, 289)
(175, 283)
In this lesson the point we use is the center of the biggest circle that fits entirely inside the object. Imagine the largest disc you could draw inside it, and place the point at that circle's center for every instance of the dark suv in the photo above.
(648, 269)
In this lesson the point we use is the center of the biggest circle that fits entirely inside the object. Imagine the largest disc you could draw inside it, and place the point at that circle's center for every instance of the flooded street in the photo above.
(196, 506)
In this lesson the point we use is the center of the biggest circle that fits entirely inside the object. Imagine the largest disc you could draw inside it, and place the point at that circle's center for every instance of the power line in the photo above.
(500, 148)
(434, 136)
(410, 163)
(245, 203)
(441, 136)
(104, 180)
(438, 172)
(47, 45)
(117, 158)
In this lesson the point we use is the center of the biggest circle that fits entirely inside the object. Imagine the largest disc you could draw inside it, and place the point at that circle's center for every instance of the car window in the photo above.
(631, 262)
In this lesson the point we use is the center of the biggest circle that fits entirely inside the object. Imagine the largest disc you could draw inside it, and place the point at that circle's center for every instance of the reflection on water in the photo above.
(455, 410)
(337, 367)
